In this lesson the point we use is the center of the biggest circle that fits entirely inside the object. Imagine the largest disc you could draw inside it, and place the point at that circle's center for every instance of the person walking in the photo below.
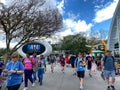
(67, 60)
(108, 64)
(15, 69)
(28, 65)
(80, 67)
(41, 68)
(35, 66)
(94, 67)
(62, 63)
(89, 61)
(48, 59)
(72, 60)
(52, 62)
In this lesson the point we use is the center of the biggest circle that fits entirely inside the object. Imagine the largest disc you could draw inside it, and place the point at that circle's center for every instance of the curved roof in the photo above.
(113, 32)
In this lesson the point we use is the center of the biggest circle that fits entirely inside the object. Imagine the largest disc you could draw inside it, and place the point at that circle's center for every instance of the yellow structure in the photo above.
(91, 48)
(103, 43)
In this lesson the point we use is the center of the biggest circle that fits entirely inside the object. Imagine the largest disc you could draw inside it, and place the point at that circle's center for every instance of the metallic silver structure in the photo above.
(114, 33)
(48, 48)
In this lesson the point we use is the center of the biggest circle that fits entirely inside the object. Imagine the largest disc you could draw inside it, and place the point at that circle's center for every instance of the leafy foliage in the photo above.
(26, 20)
(76, 43)
(2, 52)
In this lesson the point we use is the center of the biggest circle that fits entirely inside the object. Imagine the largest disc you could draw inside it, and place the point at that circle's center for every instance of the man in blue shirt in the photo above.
(80, 67)
(108, 68)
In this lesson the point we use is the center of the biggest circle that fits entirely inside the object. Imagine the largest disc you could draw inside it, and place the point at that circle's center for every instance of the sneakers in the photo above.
(33, 84)
(81, 87)
(40, 83)
(74, 74)
(108, 88)
(26, 88)
(90, 75)
(113, 88)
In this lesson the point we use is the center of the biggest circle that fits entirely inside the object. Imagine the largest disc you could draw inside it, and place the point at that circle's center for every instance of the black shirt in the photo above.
(72, 59)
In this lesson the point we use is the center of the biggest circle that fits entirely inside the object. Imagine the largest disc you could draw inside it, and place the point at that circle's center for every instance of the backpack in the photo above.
(116, 70)
(77, 61)
(106, 59)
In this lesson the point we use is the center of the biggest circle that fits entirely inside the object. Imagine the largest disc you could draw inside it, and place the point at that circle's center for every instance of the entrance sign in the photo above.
(39, 47)
(32, 48)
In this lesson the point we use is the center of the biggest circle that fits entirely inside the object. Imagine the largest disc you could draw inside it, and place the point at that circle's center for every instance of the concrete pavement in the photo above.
(66, 81)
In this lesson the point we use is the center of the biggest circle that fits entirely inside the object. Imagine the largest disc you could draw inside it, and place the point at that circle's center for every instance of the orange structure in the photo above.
(91, 48)
(103, 43)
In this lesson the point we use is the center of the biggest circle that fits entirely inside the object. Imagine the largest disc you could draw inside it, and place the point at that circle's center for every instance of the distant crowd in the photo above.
(33, 68)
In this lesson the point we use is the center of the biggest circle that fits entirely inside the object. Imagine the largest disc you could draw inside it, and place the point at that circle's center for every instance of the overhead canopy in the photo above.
(97, 51)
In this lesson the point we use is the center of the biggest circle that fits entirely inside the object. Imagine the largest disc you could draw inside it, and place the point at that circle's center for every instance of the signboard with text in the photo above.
(32, 48)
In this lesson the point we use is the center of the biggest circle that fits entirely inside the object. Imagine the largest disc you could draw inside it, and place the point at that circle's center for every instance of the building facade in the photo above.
(114, 32)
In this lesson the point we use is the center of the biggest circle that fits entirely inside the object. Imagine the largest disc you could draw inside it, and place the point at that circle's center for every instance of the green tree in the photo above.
(26, 20)
(76, 43)
(2, 52)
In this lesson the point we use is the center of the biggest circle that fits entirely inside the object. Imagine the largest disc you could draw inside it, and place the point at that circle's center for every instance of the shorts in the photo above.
(89, 67)
(109, 74)
(62, 65)
(81, 74)
(14, 87)
(52, 64)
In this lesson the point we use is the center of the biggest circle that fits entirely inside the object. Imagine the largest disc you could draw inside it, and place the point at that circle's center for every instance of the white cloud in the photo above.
(105, 13)
(60, 6)
(71, 24)
(50, 4)
(74, 27)
(73, 16)
(3, 44)
(3, 1)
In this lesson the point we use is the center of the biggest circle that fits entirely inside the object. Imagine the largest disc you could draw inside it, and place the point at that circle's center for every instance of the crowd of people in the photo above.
(33, 68)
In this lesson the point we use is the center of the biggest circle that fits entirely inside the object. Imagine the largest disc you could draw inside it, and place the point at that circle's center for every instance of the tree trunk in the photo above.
(7, 47)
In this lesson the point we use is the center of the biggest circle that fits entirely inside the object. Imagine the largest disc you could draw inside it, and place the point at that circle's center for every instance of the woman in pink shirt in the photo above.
(28, 65)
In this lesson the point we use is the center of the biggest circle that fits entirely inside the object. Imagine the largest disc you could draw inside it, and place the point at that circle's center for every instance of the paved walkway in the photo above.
(66, 81)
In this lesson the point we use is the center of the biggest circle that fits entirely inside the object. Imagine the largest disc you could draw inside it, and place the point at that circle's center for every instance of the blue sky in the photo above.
(87, 16)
